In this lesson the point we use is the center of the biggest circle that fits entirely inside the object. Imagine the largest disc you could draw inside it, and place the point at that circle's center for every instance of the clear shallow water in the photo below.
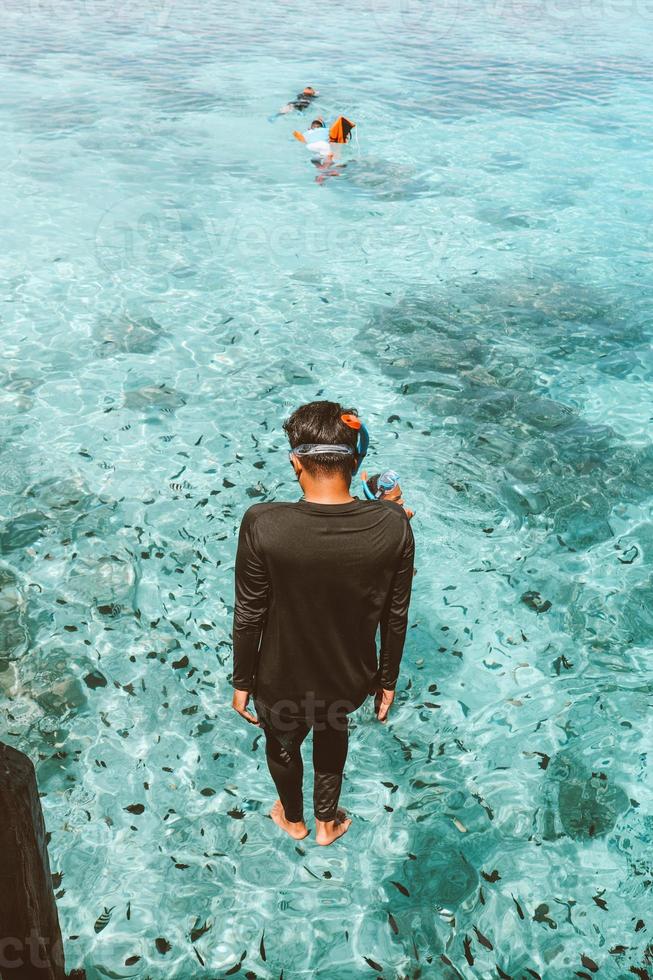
(478, 284)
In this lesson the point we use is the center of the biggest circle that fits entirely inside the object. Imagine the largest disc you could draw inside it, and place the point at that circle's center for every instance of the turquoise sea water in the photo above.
(478, 283)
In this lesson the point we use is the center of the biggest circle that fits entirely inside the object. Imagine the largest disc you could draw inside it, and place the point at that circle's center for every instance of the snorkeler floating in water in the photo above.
(303, 100)
(322, 142)
(316, 139)
(321, 139)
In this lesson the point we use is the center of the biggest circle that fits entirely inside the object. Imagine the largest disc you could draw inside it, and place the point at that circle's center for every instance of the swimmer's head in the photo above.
(317, 123)
(309, 90)
(321, 422)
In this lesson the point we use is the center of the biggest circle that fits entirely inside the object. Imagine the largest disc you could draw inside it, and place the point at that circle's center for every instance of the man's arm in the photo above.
(394, 619)
(252, 590)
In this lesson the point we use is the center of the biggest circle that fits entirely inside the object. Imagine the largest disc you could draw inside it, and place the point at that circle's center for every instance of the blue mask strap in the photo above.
(368, 493)
(362, 447)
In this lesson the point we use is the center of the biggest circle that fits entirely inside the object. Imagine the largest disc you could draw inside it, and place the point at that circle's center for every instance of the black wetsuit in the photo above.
(302, 101)
(314, 582)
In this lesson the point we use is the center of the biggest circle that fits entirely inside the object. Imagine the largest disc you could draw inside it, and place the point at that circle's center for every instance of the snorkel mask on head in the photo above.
(317, 448)
(387, 481)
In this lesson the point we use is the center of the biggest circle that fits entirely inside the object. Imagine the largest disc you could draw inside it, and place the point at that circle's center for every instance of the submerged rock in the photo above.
(22, 531)
(588, 802)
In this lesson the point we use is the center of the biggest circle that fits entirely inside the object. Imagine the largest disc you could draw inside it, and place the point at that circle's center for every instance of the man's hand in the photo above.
(239, 704)
(382, 701)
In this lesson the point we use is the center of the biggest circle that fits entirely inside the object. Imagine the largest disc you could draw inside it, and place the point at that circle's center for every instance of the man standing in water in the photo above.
(315, 578)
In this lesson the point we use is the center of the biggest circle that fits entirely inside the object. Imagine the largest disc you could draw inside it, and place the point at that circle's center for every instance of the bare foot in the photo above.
(329, 830)
(297, 830)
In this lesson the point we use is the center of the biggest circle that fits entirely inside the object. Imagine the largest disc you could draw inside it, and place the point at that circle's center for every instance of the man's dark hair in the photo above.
(320, 422)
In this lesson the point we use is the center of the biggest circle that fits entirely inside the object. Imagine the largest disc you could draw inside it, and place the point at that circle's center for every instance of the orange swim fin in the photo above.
(298, 136)
(341, 129)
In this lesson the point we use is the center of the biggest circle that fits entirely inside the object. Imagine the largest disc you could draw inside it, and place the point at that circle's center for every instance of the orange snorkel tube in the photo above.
(363, 437)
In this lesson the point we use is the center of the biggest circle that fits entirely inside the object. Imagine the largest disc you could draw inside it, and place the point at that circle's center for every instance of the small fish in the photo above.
(492, 877)
(488, 809)
(483, 940)
(129, 911)
(103, 920)
(198, 931)
(640, 972)
(201, 961)
(262, 947)
(162, 945)
(135, 808)
(535, 602)
(541, 914)
(467, 946)
(109, 973)
(562, 662)
(447, 961)
(519, 908)
(401, 888)
(588, 963)
(234, 969)
(375, 966)
(502, 973)
(131, 960)
(601, 902)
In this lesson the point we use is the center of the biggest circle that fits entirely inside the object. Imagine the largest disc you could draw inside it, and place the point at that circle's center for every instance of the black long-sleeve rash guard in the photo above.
(314, 582)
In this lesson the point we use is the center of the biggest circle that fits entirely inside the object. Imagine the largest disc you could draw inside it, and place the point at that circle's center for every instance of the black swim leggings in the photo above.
(330, 744)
